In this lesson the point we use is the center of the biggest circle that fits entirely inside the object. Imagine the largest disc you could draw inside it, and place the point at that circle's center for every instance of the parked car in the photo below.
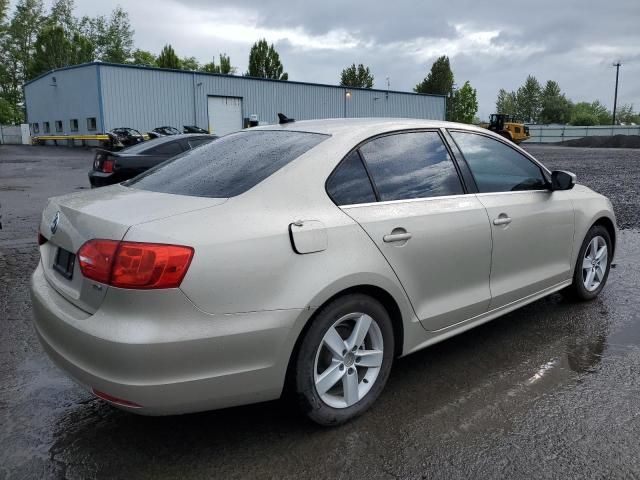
(193, 129)
(164, 131)
(307, 255)
(114, 167)
(123, 137)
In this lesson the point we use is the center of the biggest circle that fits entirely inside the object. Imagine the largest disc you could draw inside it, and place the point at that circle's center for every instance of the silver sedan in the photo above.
(305, 257)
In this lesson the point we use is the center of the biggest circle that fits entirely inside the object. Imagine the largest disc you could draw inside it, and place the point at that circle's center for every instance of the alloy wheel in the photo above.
(348, 360)
(594, 263)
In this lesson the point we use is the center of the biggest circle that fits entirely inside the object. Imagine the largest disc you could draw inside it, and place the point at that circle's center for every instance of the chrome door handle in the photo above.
(502, 220)
(396, 237)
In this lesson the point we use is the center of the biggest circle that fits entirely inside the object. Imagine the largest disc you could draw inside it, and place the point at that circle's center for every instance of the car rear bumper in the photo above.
(175, 359)
(102, 179)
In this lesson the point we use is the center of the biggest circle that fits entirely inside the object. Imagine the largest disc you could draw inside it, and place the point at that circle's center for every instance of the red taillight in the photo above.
(133, 264)
(107, 165)
(96, 259)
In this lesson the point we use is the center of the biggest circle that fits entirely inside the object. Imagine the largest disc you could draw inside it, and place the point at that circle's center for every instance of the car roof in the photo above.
(337, 126)
(154, 142)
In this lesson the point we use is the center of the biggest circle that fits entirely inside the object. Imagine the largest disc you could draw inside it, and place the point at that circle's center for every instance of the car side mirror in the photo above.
(561, 180)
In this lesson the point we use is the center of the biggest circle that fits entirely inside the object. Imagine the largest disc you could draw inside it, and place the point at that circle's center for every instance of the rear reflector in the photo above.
(114, 400)
(133, 264)
(41, 238)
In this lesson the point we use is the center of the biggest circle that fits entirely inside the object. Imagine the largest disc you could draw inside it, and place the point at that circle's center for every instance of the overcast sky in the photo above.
(492, 44)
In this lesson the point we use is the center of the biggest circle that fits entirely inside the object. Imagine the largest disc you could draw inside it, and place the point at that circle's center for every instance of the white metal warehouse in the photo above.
(97, 97)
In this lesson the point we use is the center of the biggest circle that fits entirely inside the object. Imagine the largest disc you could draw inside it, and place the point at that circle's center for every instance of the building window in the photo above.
(45, 127)
(91, 123)
(58, 125)
(74, 124)
(35, 127)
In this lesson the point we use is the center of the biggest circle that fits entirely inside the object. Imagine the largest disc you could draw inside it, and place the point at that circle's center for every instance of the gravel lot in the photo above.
(549, 391)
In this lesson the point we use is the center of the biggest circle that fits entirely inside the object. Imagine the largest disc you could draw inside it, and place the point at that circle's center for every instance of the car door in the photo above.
(435, 237)
(532, 226)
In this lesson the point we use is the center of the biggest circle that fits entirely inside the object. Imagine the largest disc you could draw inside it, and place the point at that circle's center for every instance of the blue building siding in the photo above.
(145, 98)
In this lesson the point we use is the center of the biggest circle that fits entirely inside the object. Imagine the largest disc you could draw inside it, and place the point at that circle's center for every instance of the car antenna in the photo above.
(284, 119)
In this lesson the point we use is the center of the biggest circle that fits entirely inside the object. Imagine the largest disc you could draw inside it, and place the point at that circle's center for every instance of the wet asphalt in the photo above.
(549, 391)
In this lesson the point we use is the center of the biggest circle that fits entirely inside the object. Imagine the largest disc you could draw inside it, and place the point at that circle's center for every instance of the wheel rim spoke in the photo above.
(350, 387)
(586, 264)
(329, 378)
(589, 280)
(359, 331)
(602, 252)
(369, 358)
(335, 343)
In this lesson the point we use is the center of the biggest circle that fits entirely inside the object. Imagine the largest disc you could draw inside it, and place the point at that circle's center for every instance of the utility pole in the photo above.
(615, 96)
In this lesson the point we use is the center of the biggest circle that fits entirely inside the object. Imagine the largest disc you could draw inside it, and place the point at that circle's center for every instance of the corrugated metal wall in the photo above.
(560, 133)
(145, 98)
(75, 95)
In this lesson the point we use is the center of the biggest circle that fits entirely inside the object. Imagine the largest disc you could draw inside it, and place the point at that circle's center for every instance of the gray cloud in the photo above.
(492, 45)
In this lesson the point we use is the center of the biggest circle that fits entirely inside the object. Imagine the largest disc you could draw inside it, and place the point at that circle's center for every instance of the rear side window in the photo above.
(170, 149)
(349, 183)
(196, 142)
(411, 165)
(497, 167)
(229, 166)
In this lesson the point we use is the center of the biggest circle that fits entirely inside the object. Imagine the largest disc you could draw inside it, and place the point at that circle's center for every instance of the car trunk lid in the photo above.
(69, 221)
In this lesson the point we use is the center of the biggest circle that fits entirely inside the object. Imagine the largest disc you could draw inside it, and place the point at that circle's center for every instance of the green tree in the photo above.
(117, 40)
(554, 106)
(16, 48)
(168, 58)
(82, 49)
(594, 113)
(189, 63)
(143, 57)
(61, 14)
(507, 102)
(528, 100)
(224, 67)
(464, 104)
(627, 116)
(359, 76)
(264, 62)
(7, 114)
(52, 50)
(439, 81)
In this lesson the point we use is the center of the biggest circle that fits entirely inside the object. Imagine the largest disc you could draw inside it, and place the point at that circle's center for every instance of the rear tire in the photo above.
(344, 359)
(506, 134)
(592, 265)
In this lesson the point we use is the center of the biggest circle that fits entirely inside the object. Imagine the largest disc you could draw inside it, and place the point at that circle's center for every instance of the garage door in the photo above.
(225, 115)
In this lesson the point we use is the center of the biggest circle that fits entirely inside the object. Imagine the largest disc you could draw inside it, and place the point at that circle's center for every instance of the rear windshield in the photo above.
(229, 166)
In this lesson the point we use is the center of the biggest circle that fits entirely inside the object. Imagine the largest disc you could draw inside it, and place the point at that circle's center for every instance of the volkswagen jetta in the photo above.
(305, 256)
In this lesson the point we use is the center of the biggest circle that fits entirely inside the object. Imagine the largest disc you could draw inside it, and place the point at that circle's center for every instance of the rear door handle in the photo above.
(396, 237)
(502, 220)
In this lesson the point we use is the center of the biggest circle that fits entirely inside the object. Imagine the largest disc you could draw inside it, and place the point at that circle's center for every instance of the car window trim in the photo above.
(546, 173)
(413, 200)
(461, 162)
(374, 186)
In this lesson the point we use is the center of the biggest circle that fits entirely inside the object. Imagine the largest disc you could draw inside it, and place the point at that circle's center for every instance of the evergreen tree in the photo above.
(264, 62)
(168, 58)
(359, 76)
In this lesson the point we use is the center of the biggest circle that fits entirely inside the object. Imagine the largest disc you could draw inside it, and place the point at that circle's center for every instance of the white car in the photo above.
(307, 255)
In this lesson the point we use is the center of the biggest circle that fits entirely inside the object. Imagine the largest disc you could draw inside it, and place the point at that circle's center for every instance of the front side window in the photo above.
(349, 184)
(497, 167)
(411, 165)
(229, 166)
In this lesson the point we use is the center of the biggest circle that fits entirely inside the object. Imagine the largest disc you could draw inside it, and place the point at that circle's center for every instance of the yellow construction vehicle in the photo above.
(508, 127)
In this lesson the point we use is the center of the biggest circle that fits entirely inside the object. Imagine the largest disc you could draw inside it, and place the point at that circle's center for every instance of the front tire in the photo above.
(592, 265)
(344, 359)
